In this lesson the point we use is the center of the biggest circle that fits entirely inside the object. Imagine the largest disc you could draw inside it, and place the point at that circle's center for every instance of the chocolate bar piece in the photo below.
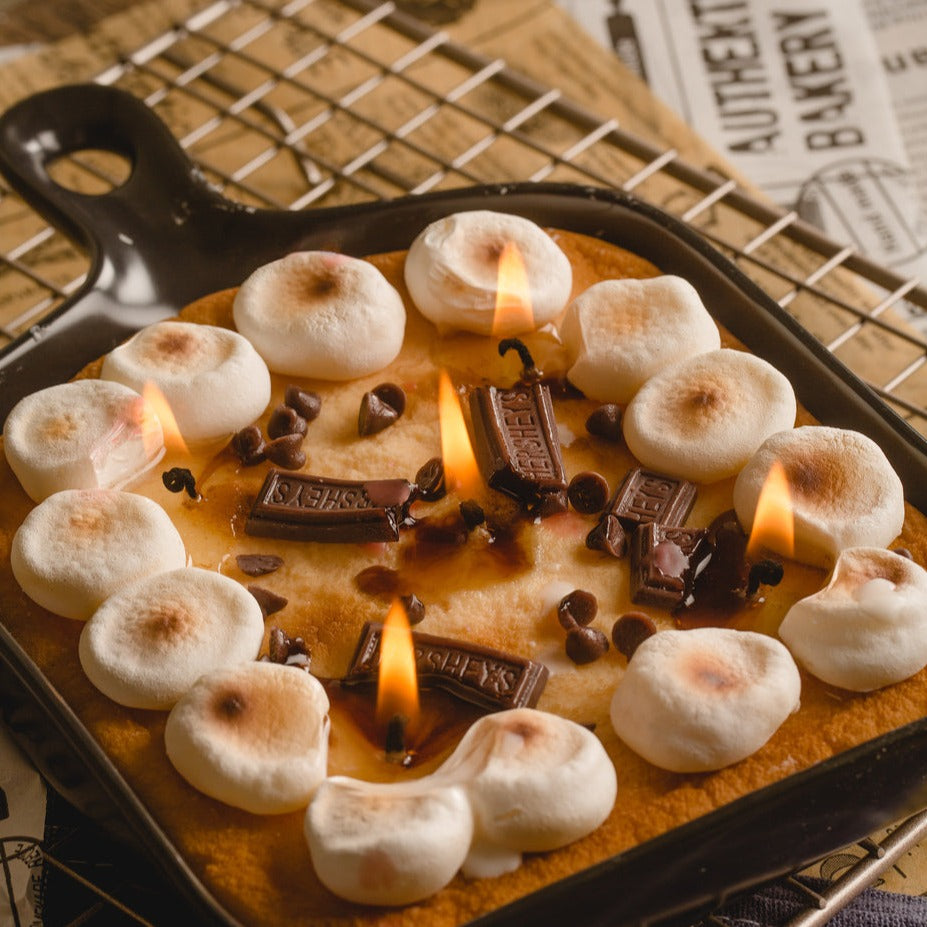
(664, 564)
(297, 507)
(481, 675)
(517, 445)
(645, 497)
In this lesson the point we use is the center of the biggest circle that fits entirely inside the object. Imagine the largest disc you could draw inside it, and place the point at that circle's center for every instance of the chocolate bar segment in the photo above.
(664, 564)
(298, 507)
(486, 677)
(517, 444)
(645, 497)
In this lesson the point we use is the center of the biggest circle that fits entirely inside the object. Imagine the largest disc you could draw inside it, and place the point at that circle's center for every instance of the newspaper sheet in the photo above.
(822, 103)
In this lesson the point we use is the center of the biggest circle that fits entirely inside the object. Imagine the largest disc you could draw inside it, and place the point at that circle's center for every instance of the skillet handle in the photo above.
(156, 242)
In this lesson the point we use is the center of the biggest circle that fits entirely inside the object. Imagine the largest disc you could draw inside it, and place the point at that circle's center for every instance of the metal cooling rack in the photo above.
(317, 102)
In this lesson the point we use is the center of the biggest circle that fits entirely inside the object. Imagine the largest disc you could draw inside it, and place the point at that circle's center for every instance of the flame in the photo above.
(461, 473)
(773, 524)
(513, 295)
(397, 685)
(160, 407)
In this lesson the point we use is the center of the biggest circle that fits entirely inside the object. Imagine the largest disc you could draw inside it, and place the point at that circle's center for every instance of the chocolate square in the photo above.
(298, 507)
(489, 678)
(645, 497)
(517, 444)
(664, 564)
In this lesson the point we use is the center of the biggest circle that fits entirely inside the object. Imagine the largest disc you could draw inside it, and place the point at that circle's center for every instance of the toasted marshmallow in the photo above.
(146, 645)
(843, 490)
(387, 844)
(452, 272)
(80, 546)
(87, 434)
(619, 333)
(868, 627)
(253, 735)
(499, 794)
(213, 380)
(518, 765)
(694, 701)
(703, 418)
(321, 314)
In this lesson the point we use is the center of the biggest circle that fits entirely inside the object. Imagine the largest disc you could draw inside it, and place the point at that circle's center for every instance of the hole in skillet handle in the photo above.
(91, 172)
(158, 236)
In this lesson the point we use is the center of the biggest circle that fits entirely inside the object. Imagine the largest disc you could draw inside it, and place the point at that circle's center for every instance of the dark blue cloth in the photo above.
(776, 905)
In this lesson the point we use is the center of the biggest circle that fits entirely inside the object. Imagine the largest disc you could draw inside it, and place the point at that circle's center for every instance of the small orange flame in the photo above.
(461, 473)
(157, 403)
(513, 313)
(773, 523)
(397, 685)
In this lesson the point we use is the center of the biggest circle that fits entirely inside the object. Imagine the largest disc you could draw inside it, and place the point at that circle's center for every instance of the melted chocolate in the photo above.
(440, 553)
(443, 720)
(720, 590)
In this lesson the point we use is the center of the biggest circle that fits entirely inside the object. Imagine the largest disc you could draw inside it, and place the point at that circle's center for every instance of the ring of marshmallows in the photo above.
(688, 701)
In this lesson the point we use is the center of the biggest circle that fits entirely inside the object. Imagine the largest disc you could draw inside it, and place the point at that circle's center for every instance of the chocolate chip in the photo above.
(269, 601)
(303, 402)
(630, 631)
(608, 536)
(577, 608)
(415, 608)
(547, 504)
(585, 645)
(258, 564)
(285, 421)
(374, 415)
(286, 452)
(588, 492)
(472, 514)
(278, 645)
(394, 396)
(430, 480)
(377, 580)
(248, 444)
(764, 573)
(282, 648)
(605, 422)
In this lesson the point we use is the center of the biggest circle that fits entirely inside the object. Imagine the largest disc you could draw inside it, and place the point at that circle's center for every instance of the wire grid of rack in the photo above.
(316, 102)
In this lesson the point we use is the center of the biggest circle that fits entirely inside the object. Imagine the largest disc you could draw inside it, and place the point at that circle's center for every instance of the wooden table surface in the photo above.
(28, 21)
